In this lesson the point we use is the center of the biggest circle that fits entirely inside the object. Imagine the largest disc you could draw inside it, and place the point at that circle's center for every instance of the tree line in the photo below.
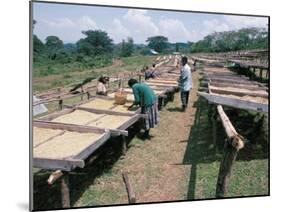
(97, 49)
(243, 39)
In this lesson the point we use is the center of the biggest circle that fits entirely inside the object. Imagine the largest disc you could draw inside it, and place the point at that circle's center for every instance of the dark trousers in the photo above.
(184, 98)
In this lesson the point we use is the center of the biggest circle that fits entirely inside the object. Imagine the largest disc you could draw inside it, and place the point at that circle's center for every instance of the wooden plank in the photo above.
(245, 82)
(54, 176)
(65, 193)
(89, 150)
(236, 103)
(129, 188)
(229, 157)
(65, 126)
(56, 114)
(249, 87)
(161, 84)
(237, 92)
(61, 164)
(237, 140)
(109, 112)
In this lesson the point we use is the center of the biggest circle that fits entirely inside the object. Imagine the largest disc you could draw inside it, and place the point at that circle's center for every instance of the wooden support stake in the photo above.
(54, 176)
(229, 156)
(60, 104)
(88, 95)
(65, 194)
(236, 139)
(124, 145)
(82, 93)
(214, 127)
(130, 191)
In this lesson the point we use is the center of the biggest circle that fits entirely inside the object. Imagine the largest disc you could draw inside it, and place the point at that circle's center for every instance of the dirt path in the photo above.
(164, 177)
(154, 166)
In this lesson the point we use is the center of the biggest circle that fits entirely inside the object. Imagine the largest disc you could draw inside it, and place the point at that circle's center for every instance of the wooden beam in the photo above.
(65, 193)
(248, 87)
(54, 164)
(236, 103)
(54, 115)
(241, 92)
(54, 176)
(109, 112)
(69, 127)
(229, 157)
(237, 141)
(129, 188)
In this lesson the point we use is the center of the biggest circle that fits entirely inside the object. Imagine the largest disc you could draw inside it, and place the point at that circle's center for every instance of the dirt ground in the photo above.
(179, 162)
(155, 167)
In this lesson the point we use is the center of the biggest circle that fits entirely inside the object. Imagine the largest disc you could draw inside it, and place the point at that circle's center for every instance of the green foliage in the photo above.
(97, 42)
(246, 38)
(127, 48)
(53, 46)
(158, 43)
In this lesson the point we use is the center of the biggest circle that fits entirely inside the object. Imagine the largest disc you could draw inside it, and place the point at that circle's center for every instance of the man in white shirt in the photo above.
(185, 82)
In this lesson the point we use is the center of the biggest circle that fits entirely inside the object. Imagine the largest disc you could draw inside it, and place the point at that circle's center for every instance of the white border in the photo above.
(14, 111)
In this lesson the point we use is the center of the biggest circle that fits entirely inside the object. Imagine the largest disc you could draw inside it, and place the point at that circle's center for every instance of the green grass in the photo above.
(59, 75)
(100, 182)
(250, 171)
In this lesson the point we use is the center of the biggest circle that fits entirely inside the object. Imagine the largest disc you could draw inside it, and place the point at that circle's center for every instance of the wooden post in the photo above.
(124, 145)
(234, 143)
(65, 195)
(82, 92)
(229, 156)
(88, 95)
(130, 191)
(54, 176)
(261, 74)
(119, 83)
(214, 127)
(60, 104)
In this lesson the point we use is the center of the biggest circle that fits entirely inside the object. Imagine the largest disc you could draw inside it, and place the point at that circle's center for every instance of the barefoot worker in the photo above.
(185, 82)
(145, 97)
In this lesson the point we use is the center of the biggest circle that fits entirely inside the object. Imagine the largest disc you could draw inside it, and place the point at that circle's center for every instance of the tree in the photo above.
(127, 48)
(246, 38)
(158, 43)
(53, 42)
(97, 42)
(53, 45)
(38, 45)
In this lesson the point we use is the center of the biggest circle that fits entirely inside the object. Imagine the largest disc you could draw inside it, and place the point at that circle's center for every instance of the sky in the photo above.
(68, 21)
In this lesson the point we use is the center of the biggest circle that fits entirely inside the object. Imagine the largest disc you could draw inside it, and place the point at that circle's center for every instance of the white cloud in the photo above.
(215, 25)
(237, 22)
(61, 22)
(85, 22)
(140, 22)
(174, 29)
(118, 31)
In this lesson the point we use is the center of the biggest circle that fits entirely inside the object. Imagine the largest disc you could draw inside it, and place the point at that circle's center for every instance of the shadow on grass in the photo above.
(101, 162)
(202, 149)
(175, 109)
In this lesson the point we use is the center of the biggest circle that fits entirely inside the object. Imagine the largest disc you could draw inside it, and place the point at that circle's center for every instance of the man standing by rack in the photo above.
(185, 82)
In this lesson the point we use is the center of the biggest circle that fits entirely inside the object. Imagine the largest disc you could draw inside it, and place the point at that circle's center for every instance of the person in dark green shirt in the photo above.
(146, 98)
